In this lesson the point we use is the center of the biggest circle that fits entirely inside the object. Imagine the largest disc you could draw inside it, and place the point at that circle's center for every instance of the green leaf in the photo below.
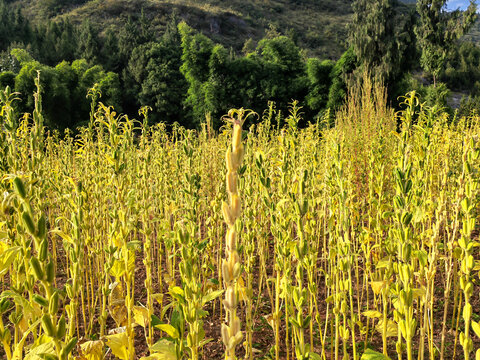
(422, 257)
(211, 296)
(155, 320)
(169, 329)
(43, 349)
(370, 354)
(48, 357)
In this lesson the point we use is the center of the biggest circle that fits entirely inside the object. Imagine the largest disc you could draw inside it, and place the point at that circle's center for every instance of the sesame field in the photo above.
(354, 237)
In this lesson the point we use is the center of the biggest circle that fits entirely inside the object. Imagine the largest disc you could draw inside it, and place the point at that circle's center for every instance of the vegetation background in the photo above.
(187, 58)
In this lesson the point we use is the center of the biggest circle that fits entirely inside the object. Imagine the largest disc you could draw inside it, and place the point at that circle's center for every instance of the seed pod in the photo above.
(228, 161)
(225, 335)
(232, 182)
(50, 271)
(41, 227)
(70, 346)
(235, 159)
(236, 207)
(237, 136)
(238, 337)
(48, 326)
(227, 276)
(28, 222)
(40, 300)
(231, 239)
(37, 268)
(61, 327)
(233, 258)
(231, 297)
(468, 289)
(53, 304)
(237, 269)
(467, 312)
(42, 254)
(227, 215)
(19, 187)
(69, 290)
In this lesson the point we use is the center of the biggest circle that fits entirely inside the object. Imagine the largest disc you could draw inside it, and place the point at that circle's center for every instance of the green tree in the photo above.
(88, 46)
(438, 30)
(320, 81)
(372, 35)
(284, 68)
(340, 72)
(196, 53)
(7, 78)
(164, 87)
(110, 52)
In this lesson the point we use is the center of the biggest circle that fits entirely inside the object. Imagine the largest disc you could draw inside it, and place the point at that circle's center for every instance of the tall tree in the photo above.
(196, 53)
(155, 66)
(438, 30)
(88, 47)
(372, 36)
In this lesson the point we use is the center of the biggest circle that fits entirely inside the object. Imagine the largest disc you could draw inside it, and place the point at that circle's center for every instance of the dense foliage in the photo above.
(182, 74)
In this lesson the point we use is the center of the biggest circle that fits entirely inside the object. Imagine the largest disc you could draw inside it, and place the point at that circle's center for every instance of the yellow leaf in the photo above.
(392, 328)
(140, 314)
(118, 343)
(242, 290)
(377, 286)
(169, 329)
(158, 297)
(270, 320)
(92, 350)
(118, 269)
(419, 293)
(7, 255)
(476, 328)
(164, 350)
(372, 314)
(383, 263)
(116, 305)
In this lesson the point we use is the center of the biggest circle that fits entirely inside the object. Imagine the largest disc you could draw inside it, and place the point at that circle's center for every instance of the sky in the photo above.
(455, 4)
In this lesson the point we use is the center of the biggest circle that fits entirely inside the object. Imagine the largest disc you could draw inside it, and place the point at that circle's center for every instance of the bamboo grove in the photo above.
(353, 241)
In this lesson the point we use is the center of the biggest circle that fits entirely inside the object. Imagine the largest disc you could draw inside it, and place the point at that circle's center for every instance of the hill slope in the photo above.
(318, 26)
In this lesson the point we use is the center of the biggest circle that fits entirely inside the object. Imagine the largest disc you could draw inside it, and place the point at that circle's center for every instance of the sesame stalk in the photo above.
(231, 265)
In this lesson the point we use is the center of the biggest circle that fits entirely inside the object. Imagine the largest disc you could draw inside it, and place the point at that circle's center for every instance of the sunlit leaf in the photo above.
(169, 329)
(372, 314)
(392, 328)
(118, 343)
(370, 354)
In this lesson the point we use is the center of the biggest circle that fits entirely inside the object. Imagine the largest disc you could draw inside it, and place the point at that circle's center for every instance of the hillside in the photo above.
(318, 26)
